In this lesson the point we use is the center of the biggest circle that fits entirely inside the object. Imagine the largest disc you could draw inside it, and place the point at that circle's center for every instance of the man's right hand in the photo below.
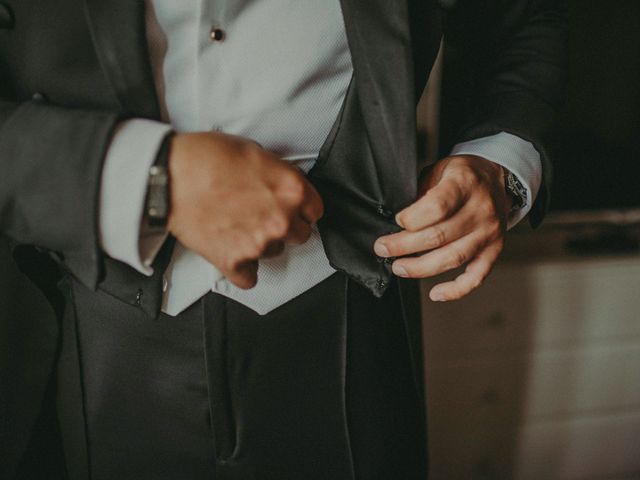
(233, 202)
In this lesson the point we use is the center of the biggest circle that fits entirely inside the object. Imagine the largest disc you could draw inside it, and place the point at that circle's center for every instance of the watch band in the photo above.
(157, 202)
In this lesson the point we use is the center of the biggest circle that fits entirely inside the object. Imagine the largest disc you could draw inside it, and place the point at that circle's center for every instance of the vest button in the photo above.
(38, 97)
(216, 34)
(139, 297)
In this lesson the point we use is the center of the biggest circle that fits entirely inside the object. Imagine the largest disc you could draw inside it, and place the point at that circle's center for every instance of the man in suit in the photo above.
(209, 328)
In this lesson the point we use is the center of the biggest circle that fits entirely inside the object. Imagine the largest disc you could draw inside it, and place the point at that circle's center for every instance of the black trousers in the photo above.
(320, 388)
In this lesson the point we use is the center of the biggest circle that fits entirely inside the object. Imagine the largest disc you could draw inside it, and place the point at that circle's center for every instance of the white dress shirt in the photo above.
(275, 71)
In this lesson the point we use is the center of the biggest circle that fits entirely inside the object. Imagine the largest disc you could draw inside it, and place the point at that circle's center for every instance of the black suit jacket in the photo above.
(70, 70)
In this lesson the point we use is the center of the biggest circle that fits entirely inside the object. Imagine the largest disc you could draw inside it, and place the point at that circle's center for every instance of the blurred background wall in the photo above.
(537, 374)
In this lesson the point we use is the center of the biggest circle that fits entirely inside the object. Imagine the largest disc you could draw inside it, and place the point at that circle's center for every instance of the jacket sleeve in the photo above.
(513, 53)
(50, 167)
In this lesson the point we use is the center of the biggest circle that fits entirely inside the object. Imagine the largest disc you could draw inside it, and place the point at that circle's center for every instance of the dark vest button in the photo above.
(7, 19)
(38, 97)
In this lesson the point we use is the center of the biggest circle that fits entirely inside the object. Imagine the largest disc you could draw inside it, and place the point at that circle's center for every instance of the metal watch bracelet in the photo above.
(157, 202)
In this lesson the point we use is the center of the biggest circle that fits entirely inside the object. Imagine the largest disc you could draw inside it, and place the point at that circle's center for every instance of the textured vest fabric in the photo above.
(284, 91)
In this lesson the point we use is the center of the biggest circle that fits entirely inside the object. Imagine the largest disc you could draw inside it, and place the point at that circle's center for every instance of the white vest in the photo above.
(275, 71)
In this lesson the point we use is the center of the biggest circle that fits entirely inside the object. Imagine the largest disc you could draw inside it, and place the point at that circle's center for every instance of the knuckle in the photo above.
(296, 192)
(462, 178)
(436, 237)
(457, 259)
(487, 208)
(468, 177)
(475, 283)
(440, 206)
(278, 225)
(251, 151)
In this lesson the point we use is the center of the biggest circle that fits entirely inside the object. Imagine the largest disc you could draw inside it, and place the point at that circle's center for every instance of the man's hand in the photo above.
(460, 218)
(234, 202)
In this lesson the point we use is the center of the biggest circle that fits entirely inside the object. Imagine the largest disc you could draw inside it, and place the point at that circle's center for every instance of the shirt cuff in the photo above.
(516, 155)
(123, 188)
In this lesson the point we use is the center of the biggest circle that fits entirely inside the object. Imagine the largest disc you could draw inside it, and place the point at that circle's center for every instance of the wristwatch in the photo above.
(516, 190)
(157, 202)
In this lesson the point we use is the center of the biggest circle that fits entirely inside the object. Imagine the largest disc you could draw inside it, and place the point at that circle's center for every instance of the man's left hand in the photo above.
(460, 218)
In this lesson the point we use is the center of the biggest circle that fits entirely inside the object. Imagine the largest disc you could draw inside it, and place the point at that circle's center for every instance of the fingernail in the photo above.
(381, 249)
(399, 270)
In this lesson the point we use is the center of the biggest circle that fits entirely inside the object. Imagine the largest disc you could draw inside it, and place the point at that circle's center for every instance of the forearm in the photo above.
(51, 159)
(514, 57)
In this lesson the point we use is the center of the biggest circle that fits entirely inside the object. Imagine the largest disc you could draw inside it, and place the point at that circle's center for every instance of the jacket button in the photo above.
(385, 260)
(139, 297)
(7, 20)
(384, 211)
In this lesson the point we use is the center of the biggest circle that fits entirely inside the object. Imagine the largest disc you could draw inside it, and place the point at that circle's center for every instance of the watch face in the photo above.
(516, 190)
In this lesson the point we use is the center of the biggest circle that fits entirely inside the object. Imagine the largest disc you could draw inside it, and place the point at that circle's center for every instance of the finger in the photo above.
(407, 242)
(244, 276)
(299, 231)
(473, 276)
(297, 195)
(439, 203)
(273, 249)
(312, 207)
(441, 260)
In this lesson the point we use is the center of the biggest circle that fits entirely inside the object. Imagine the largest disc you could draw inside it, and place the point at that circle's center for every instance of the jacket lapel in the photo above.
(379, 38)
(118, 30)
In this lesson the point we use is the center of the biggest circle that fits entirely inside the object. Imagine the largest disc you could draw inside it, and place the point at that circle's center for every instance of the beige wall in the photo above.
(537, 374)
